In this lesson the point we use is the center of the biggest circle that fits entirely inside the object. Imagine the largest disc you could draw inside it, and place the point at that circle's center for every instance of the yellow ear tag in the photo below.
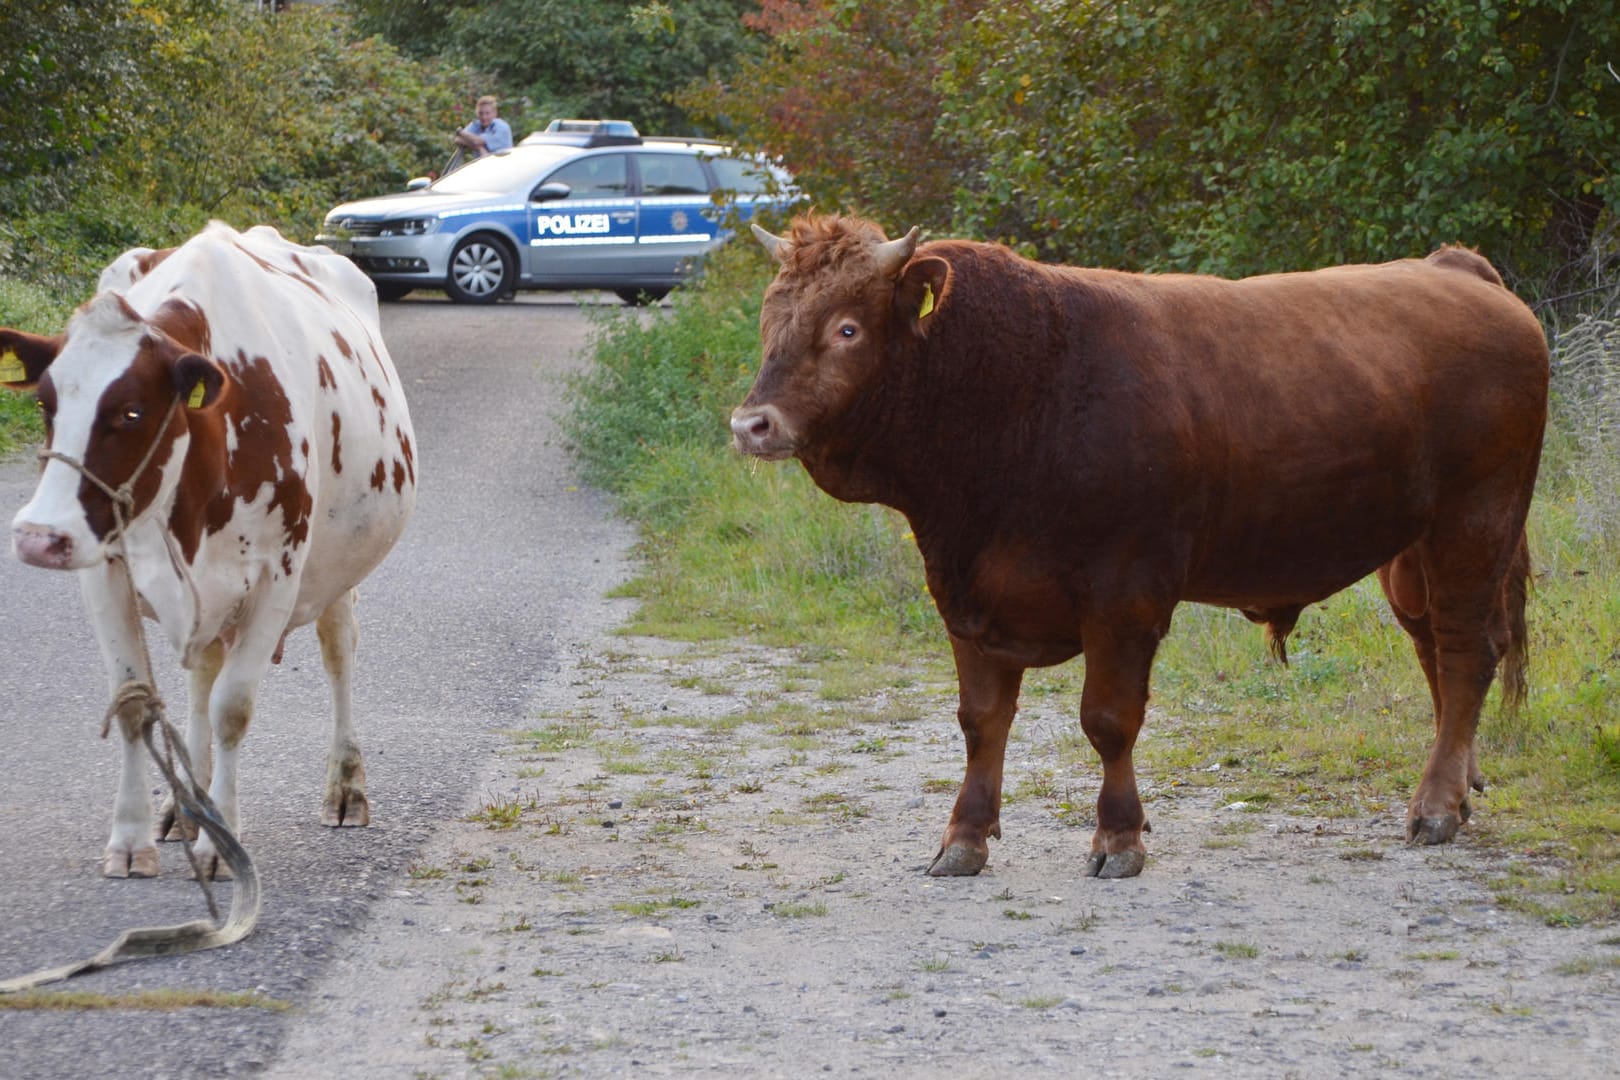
(197, 392)
(11, 367)
(928, 301)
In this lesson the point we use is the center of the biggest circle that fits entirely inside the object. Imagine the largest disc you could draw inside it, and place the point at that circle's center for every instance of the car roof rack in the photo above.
(586, 133)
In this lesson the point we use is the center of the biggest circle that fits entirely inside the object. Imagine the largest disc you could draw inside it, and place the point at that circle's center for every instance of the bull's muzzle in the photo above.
(39, 545)
(759, 431)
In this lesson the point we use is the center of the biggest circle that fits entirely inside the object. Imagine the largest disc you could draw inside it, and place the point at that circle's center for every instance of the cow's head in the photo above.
(116, 391)
(845, 303)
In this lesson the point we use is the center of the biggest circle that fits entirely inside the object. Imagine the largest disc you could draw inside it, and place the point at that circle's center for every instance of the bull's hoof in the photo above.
(1119, 864)
(348, 809)
(142, 862)
(958, 860)
(1433, 830)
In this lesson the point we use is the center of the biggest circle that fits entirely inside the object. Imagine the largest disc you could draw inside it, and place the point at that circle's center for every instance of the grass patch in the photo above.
(790, 910)
(140, 1000)
(655, 906)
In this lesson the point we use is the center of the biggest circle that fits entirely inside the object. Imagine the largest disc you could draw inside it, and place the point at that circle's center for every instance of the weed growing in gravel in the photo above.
(656, 906)
(789, 910)
(1237, 950)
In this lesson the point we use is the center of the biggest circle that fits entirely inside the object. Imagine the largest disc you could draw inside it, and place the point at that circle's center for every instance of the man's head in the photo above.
(486, 109)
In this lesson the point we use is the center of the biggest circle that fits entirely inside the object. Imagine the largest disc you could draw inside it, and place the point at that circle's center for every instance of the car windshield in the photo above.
(506, 171)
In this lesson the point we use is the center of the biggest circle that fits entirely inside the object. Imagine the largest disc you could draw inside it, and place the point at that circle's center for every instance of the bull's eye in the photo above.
(848, 330)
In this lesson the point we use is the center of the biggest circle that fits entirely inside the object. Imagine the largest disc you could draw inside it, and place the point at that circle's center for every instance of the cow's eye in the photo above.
(848, 330)
(131, 415)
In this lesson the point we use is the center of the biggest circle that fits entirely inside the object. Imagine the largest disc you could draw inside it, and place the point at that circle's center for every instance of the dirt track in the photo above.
(689, 894)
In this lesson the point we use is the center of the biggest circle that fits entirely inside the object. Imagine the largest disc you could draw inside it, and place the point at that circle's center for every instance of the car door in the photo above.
(674, 225)
(587, 233)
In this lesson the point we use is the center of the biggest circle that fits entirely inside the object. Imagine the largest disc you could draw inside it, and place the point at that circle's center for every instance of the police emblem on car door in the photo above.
(582, 219)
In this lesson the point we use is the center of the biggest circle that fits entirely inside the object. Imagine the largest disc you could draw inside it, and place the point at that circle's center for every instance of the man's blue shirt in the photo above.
(497, 136)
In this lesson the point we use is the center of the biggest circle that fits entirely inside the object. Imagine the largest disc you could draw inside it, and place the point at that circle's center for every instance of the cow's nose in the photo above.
(38, 545)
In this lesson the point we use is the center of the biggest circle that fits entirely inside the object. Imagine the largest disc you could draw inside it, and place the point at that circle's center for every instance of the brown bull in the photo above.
(1078, 451)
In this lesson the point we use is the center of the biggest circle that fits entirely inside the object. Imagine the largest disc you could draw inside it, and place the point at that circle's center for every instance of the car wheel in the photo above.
(392, 290)
(637, 297)
(482, 270)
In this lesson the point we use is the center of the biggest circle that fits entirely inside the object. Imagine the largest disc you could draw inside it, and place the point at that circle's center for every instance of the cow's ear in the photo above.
(24, 357)
(921, 291)
(198, 380)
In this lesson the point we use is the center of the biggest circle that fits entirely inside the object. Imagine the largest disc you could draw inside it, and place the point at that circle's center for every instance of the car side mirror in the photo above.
(417, 183)
(551, 191)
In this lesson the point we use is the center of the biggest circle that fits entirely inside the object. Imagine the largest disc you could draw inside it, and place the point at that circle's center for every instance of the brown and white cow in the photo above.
(1078, 451)
(239, 385)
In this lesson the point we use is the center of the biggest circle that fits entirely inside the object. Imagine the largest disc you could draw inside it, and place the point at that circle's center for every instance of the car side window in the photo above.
(604, 176)
(671, 174)
(739, 174)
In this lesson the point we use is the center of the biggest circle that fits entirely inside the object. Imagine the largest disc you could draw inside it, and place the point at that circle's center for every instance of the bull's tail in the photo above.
(1516, 653)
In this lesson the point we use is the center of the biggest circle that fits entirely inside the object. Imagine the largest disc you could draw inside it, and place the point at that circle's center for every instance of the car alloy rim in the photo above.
(478, 269)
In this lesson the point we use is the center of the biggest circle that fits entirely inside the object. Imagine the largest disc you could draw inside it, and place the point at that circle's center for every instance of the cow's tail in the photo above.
(1516, 653)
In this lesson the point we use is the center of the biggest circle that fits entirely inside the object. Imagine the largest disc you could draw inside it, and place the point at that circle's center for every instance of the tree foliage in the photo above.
(1224, 135)
(63, 72)
(1244, 135)
(207, 108)
(847, 96)
(619, 59)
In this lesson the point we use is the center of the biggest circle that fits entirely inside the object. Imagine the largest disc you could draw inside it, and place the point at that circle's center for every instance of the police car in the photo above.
(581, 205)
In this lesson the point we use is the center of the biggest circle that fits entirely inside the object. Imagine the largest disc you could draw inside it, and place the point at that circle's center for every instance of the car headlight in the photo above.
(408, 227)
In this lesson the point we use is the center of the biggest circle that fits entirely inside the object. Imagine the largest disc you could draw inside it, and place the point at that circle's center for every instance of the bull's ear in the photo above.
(24, 357)
(921, 291)
(198, 380)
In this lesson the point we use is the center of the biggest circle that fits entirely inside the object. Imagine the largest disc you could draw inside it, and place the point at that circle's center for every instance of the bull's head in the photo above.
(844, 299)
(115, 391)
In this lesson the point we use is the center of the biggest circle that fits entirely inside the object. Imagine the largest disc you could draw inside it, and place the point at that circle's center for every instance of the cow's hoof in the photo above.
(142, 862)
(211, 867)
(958, 860)
(1433, 830)
(174, 826)
(1120, 864)
(346, 810)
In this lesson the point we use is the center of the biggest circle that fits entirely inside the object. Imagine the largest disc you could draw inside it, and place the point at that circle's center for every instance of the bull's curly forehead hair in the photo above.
(817, 242)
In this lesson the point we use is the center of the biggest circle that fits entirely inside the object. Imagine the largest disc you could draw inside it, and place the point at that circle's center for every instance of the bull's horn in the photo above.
(774, 245)
(892, 254)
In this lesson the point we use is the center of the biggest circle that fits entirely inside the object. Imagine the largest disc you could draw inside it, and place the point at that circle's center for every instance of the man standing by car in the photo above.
(488, 133)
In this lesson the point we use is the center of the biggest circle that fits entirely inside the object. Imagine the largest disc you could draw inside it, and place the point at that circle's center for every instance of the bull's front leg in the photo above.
(115, 622)
(1118, 662)
(989, 697)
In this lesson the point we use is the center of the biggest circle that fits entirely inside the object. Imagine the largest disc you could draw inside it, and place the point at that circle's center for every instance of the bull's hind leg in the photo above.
(1407, 589)
(1447, 593)
(345, 802)
(1119, 659)
(989, 696)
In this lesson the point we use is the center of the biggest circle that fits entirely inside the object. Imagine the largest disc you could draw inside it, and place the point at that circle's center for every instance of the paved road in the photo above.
(503, 561)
